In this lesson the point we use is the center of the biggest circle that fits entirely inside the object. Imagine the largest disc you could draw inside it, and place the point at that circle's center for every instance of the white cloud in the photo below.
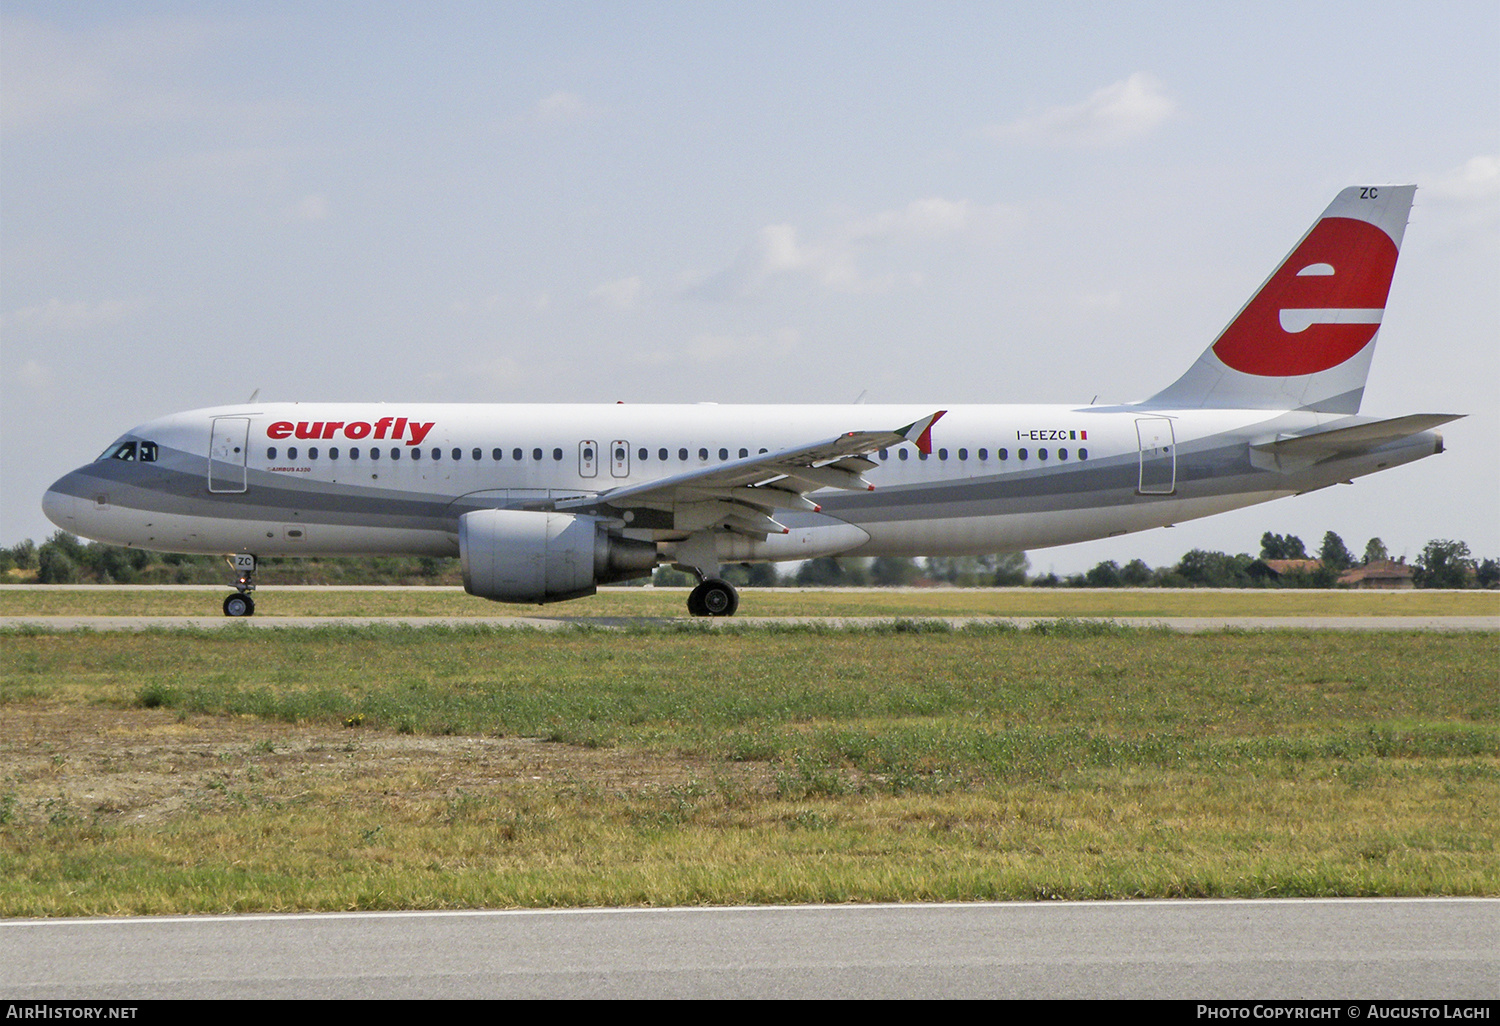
(721, 349)
(500, 373)
(930, 218)
(1477, 180)
(564, 107)
(778, 252)
(1119, 112)
(34, 376)
(313, 208)
(1462, 205)
(52, 76)
(620, 294)
(56, 315)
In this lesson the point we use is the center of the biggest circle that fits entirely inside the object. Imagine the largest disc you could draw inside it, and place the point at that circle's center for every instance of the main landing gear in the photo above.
(241, 603)
(698, 554)
(713, 598)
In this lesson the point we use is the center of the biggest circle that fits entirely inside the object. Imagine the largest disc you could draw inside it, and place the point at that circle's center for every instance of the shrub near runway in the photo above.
(791, 764)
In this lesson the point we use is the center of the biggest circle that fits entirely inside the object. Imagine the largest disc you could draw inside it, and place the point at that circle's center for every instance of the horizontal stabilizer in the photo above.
(1350, 441)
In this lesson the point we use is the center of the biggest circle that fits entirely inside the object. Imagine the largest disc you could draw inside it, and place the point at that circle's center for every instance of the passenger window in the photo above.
(271, 453)
(723, 455)
(682, 454)
(1083, 454)
(333, 452)
(536, 454)
(643, 454)
(661, 454)
(924, 455)
(1041, 454)
(1004, 454)
(942, 454)
(517, 455)
(1062, 454)
(557, 454)
(477, 454)
(374, 453)
(905, 454)
(885, 454)
(291, 452)
(354, 453)
(1020, 454)
(744, 453)
(495, 454)
(702, 454)
(416, 454)
(984, 454)
(437, 453)
(963, 454)
(312, 452)
(395, 453)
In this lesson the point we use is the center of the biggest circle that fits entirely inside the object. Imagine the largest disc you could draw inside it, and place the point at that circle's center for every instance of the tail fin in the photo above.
(1305, 340)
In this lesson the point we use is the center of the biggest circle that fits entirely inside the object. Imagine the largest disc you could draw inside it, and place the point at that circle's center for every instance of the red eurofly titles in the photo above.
(394, 428)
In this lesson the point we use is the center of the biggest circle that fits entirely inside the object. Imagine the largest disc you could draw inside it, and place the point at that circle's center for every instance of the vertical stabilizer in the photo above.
(1305, 339)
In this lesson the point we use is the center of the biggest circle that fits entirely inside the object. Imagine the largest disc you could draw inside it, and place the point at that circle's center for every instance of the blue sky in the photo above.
(936, 202)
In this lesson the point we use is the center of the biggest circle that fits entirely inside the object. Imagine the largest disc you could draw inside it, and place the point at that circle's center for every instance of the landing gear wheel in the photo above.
(239, 604)
(713, 598)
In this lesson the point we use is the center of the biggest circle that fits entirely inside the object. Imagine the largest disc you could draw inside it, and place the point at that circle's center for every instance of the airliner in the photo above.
(543, 503)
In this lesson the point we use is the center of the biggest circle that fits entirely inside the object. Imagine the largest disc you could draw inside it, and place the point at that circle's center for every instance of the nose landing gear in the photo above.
(241, 603)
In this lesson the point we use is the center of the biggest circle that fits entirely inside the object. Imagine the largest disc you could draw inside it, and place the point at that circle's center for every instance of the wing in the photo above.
(743, 495)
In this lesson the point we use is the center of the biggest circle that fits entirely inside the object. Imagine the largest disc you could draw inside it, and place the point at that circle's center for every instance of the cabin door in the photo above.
(1158, 445)
(228, 448)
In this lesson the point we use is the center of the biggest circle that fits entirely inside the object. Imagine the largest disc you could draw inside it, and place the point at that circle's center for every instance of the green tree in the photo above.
(55, 566)
(1135, 574)
(1104, 575)
(1281, 546)
(1375, 551)
(1334, 555)
(1488, 574)
(892, 571)
(830, 571)
(752, 575)
(24, 554)
(1443, 564)
(1011, 569)
(1204, 569)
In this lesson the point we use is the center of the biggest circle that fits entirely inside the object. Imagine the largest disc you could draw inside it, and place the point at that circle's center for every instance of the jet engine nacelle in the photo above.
(514, 555)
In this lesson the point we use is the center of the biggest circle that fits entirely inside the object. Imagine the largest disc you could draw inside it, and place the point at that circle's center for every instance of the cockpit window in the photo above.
(145, 452)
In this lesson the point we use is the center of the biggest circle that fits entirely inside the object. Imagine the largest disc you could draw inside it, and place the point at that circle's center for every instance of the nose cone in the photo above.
(61, 506)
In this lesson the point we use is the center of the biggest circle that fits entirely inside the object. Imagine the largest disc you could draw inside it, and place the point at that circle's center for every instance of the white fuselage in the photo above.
(315, 478)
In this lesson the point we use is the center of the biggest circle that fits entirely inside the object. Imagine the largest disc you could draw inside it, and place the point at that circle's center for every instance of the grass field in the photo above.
(777, 602)
(396, 767)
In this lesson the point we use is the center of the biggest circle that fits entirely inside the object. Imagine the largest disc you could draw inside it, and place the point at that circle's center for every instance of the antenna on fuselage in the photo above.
(252, 396)
(860, 399)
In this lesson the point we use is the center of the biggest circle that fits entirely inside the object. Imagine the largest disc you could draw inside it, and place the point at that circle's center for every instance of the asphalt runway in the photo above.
(1334, 950)
(1184, 624)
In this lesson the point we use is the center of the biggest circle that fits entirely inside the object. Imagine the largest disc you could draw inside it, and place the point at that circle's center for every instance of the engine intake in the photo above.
(514, 555)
